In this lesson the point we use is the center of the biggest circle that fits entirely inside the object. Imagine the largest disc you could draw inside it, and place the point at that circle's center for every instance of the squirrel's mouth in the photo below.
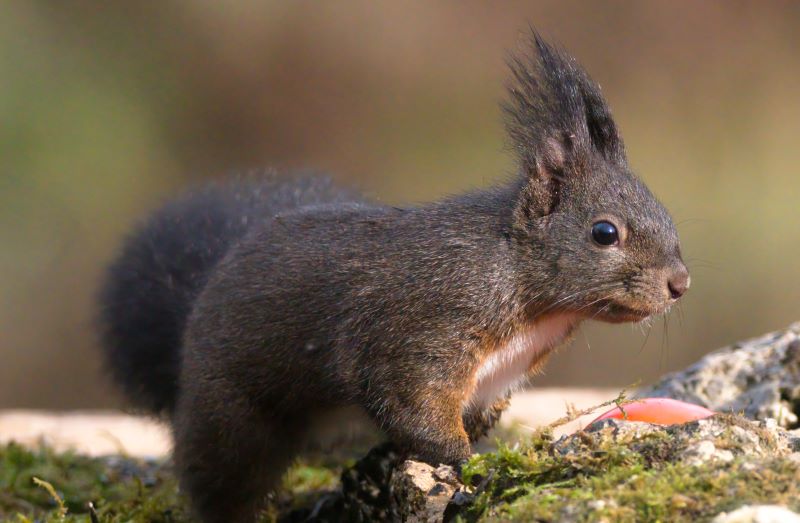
(615, 312)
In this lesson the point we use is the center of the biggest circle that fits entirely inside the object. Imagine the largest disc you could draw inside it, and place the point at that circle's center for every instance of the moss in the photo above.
(122, 489)
(600, 477)
(306, 482)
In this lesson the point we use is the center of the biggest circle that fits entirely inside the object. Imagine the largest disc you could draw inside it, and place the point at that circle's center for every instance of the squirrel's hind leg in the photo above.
(228, 457)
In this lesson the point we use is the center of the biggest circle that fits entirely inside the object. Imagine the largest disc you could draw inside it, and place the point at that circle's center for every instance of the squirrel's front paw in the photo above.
(458, 467)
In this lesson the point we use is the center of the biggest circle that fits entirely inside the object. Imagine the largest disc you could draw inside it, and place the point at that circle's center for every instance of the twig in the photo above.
(62, 508)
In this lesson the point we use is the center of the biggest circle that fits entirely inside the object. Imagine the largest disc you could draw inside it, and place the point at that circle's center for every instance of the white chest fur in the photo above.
(506, 368)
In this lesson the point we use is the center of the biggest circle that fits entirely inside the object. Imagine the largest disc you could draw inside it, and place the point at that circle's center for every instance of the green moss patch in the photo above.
(658, 474)
(127, 490)
(118, 489)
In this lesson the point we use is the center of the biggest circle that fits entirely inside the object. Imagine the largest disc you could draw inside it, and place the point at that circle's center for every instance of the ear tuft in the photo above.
(555, 111)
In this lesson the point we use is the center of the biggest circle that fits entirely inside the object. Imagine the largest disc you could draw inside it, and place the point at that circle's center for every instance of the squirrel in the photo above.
(246, 310)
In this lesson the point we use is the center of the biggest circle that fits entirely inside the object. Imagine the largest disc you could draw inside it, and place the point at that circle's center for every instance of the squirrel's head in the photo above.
(608, 247)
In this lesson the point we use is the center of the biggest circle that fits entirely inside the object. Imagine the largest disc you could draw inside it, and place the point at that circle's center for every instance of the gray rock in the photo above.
(424, 490)
(720, 438)
(759, 378)
(759, 514)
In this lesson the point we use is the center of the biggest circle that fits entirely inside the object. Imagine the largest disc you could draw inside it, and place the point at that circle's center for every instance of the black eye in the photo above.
(604, 233)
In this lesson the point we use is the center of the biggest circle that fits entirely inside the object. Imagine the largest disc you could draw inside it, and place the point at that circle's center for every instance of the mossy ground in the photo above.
(598, 479)
(122, 489)
(602, 479)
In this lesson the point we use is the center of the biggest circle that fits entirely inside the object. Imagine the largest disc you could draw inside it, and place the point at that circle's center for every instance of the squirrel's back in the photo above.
(162, 267)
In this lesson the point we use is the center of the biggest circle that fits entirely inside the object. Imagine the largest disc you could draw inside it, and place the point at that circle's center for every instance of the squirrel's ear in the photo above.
(555, 112)
(602, 129)
(545, 172)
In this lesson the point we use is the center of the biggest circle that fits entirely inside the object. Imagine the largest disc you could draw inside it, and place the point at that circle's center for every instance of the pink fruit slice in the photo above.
(661, 411)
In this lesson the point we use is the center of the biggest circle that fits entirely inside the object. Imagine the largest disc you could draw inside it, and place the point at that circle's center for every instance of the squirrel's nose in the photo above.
(678, 282)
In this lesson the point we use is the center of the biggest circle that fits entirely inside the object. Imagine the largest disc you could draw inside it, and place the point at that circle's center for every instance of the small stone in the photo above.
(759, 514)
(419, 474)
(705, 451)
(420, 493)
(447, 474)
(597, 504)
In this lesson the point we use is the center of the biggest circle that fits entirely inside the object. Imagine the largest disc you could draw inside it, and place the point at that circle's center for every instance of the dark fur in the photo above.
(165, 263)
(245, 312)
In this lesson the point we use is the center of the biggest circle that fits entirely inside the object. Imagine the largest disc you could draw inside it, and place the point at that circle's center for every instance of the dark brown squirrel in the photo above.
(244, 312)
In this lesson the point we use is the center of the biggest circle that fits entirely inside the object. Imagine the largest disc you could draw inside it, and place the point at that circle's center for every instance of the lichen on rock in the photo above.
(759, 378)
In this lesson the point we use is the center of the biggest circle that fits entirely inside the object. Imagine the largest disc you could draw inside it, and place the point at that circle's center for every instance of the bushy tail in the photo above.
(163, 266)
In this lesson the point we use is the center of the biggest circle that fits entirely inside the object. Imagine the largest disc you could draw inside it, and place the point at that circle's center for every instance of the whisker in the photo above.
(646, 338)
(582, 292)
(612, 295)
(586, 339)
(689, 221)
(664, 343)
(604, 307)
(699, 263)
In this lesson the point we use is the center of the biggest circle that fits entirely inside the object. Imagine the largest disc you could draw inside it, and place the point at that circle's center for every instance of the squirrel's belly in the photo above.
(507, 367)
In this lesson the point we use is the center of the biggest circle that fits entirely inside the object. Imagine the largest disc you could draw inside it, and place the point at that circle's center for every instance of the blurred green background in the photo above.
(108, 108)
